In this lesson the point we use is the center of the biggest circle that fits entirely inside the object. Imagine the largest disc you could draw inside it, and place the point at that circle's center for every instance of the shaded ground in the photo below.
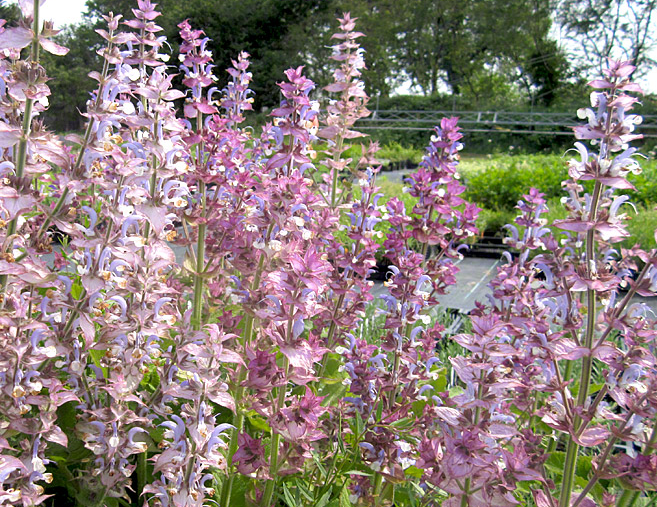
(472, 285)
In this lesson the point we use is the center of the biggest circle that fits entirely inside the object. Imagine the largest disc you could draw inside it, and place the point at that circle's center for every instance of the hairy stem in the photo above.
(238, 420)
(275, 442)
(142, 472)
(572, 449)
(197, 311)
(21, 158)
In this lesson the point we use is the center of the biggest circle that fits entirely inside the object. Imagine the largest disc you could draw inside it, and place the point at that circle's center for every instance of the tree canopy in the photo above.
(474, 50)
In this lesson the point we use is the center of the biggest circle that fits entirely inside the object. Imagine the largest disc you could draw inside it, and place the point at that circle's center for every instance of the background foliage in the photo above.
(458, 55)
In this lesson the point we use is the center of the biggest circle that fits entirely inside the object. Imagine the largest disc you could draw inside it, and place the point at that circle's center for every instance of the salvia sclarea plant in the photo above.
(241, 375)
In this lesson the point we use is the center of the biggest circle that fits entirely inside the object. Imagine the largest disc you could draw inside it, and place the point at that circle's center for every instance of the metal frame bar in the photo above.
(385, 119)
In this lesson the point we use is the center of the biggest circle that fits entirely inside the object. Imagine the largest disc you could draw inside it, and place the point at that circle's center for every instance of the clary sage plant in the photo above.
(244, 374)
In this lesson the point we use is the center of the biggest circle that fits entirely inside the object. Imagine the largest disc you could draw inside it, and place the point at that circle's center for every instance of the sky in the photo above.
(64, 12)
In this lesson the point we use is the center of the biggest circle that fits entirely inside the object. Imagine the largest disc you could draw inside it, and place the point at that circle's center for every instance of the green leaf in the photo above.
(258, 422)
(66, 419)
(303, 489)
(594, 388)
(238, 495)
(455, 391)
(405, 496)
(289, 499)
(340, 440)
(359, 425)
(96, 356)
(332, 391)
(359, 472)
(583, 473)
(441, 382)
(414, 471)
(332, 369)
(555, 464)
(319, 465)
(76, 290)
(405, 422)
(344, 497)
(324, 499)
(157, 434)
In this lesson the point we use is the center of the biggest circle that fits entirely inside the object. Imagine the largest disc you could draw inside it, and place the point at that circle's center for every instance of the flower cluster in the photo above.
(240, 368)
(561, 303)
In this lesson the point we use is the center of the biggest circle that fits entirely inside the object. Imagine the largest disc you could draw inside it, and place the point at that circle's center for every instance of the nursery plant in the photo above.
(251, 373)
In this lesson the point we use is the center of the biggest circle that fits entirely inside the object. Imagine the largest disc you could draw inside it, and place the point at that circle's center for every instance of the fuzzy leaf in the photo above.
(52, 47)
(450, 415)
(88, 330)
(222, 398)
(8, 136)
(540, 499)
(336, 87)
(16, 38)
(328, 132)
(593, 436)
(14, 203)
(600, 83)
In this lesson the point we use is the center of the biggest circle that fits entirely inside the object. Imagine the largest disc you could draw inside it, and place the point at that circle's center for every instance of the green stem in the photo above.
(275, 440)
(34, 50)
(21, 158)
(466, 491)
(378, 489)
(238, 420)
(200, 267)
(568, 478)
(142, 472)
(336, 157)
(572, 449)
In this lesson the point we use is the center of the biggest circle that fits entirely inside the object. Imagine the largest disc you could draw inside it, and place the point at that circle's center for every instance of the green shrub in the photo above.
(395, 153)
(641, 226)
(503, 183)
(490, 222)
(645, 183)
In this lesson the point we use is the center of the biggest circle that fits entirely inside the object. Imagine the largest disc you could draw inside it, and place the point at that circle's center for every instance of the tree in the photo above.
(450, 41)
(70, 83)
(267, 29)
(598, 29)
(9, 12)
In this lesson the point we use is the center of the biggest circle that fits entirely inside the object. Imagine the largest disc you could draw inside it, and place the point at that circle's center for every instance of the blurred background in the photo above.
(524, 56)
